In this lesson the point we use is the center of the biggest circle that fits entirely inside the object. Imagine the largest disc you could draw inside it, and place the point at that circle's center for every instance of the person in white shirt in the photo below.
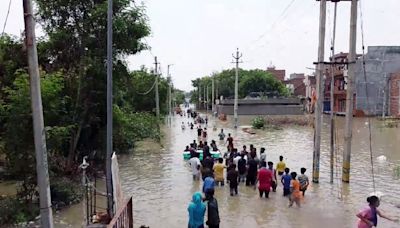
(195, 164)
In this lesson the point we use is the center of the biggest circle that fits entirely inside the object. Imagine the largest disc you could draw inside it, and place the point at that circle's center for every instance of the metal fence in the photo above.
(124, 217)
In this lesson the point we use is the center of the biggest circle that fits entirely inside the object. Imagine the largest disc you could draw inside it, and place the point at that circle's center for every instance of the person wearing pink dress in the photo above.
(368, 217)
(264, 179)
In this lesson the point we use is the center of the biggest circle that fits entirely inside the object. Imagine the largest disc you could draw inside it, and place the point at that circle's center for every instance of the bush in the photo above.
(132, 127)
(13, 211)
(258, 122)
(65, 192)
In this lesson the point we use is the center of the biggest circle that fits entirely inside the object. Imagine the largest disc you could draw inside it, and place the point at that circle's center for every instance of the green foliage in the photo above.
(249, 81)
(13, 211)
(65, 192)
(132, 127)
(258, 122)
(260, 81)
(179, 96)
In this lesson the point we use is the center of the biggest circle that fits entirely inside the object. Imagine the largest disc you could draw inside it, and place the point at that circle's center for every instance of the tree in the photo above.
(260, 81)
(249, 81)
(76, 32)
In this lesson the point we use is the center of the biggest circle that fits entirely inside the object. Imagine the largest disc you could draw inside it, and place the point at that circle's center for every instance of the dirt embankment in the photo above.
(299, 120)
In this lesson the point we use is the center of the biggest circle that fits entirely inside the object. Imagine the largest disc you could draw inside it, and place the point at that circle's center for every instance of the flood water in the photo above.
(161, 184)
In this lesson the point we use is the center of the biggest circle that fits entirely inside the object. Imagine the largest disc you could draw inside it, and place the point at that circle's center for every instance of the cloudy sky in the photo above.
(199, 36)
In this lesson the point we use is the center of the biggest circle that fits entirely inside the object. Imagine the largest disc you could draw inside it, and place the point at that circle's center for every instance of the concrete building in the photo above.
(296, 75)
(339, 91)
(296, 85)
(278, 74)
(394, 94)
(309, 83)
(380, 63)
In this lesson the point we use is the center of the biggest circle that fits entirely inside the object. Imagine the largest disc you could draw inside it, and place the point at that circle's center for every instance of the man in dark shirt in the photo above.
(252, 165)
(232, 177)
(242, 169)
(208, 162)
(212, 211)
(206, 150)
(199, 131)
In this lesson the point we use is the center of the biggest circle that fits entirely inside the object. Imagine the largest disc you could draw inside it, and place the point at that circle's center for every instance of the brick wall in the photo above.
(394, 94)
(278, 74)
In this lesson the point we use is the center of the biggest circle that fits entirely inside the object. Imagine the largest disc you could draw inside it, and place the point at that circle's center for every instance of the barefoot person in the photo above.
(368, 217)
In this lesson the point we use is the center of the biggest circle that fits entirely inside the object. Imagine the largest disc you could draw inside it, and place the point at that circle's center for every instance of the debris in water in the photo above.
(381, 158)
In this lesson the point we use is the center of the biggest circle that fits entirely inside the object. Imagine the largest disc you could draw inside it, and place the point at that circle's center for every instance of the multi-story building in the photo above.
(339, 73)
(278, 74)
(380, 63)
(296, 84)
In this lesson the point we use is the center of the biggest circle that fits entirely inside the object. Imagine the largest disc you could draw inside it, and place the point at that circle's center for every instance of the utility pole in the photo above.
(212, 96)
(385, 94)
(235, 108)
(350, 94)
(318, 109)
(110, 195)
(157, 96)
(46, 213)
(207, 101)
(199, 91)
(332, 125)
(169, 94)
(204, 96)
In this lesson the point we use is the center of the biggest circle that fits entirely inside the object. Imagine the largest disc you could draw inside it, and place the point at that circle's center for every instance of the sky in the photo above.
(199, 36)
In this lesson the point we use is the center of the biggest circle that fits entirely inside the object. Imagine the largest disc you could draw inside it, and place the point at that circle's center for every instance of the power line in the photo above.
(366, 93)
(279, 18)
(8, 13)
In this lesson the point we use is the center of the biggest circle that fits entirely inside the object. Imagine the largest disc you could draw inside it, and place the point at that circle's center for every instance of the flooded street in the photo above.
(161, 184)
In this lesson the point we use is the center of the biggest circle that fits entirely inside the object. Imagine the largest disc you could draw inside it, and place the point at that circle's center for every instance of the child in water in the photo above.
(286, 179)
(296, 194)
(369, 215)
(196, 210)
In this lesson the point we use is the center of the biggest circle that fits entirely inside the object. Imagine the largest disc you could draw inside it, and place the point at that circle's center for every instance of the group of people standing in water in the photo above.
(243, 166)
(253, 170)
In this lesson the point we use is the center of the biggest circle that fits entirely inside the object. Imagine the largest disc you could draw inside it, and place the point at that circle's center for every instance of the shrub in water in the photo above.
(258, 122)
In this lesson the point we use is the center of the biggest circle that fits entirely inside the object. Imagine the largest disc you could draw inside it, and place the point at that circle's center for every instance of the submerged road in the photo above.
(161, 184)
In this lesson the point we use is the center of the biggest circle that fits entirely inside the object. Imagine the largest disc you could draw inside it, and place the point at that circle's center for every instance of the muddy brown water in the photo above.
(161, 184)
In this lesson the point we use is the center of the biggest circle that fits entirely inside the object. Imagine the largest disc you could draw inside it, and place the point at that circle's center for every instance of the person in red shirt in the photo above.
(230, 141)
(264, 179)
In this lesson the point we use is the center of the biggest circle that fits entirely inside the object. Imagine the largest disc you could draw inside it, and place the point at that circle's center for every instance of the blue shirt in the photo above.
(286, 181)
(208, 184)
(196, 210)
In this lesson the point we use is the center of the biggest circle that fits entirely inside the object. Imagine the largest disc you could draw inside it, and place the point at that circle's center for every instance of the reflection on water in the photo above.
(161, 183)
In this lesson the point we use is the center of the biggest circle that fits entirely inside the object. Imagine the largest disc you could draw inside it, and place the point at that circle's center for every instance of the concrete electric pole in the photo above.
(46, 213)
(318, 109)
(235, 108)
(109, 185)
(350, 94)
(156, 86)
